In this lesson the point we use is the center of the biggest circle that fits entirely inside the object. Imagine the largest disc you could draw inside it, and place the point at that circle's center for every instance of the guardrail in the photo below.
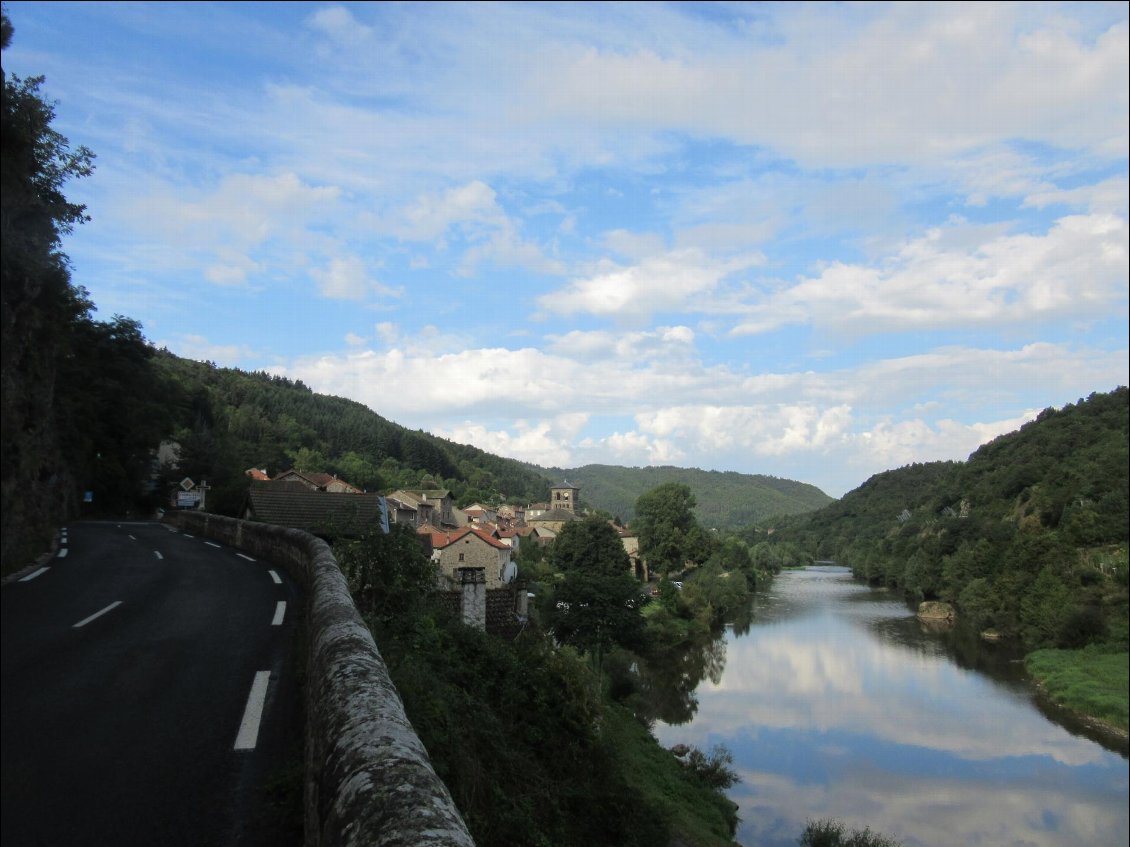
(368, 779)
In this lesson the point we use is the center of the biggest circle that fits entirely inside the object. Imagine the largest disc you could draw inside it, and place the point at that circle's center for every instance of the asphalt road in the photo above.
(132, 669)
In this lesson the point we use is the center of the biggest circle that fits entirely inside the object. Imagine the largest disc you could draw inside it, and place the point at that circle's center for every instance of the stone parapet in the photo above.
(368, 779)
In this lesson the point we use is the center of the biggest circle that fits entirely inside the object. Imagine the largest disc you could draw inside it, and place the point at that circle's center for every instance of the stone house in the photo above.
(471, 547)
(418, 507)
(631, 544)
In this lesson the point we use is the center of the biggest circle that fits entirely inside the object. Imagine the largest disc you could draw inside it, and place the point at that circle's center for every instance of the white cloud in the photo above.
(472, 207)
(933, 81)
(546, 442)
(472, 215)
(668, 282)
(234, 232)
(339, 24)
(948, 279)
(348, 279)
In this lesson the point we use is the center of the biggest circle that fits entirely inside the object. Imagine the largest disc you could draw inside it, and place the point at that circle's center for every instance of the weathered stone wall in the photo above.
(368, 777)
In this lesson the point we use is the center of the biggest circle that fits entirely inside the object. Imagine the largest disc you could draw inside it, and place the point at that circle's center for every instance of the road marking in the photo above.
(34, 574)
(132, 538)
(97, 615)
(186, 535)
(62, 553)
(211, 543)
(280, 611)
(275, 577)
(243, 556)
(157, 553)
(253, 712)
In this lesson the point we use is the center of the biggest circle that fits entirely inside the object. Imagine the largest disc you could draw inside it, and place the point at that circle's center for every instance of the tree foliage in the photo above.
(596, 604)
(80, 405)
(666, 525)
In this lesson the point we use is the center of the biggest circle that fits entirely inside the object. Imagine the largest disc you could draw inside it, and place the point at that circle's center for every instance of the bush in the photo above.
(833, 833)
(1083, 626)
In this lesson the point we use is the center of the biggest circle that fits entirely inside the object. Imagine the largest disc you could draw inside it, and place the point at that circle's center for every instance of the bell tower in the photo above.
(564, 496)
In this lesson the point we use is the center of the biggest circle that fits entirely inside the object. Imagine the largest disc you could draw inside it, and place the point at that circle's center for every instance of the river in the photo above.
(837, 703)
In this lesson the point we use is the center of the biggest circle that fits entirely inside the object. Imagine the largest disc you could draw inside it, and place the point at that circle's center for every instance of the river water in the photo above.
(837, 703)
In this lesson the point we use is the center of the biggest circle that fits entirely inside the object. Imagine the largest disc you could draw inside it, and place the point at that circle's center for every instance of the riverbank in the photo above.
(1092, 682)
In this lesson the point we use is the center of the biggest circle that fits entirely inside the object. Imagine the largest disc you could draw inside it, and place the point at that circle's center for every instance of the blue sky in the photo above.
(807, 240)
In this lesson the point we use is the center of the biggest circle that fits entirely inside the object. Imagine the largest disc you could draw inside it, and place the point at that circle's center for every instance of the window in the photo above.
(461, 557)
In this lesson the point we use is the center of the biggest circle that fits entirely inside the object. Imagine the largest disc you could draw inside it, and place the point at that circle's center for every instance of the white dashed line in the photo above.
(211, 543)
(186, 535)
(132, 538)
(253, 712)
(244, 556)
(275, 577)
(157, 553)
(97, 615)
(280, 611)
(62, 553)
(34, 574)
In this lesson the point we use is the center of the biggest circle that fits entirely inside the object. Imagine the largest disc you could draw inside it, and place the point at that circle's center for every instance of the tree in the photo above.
(388, 575)
(590, 545)
(666, 525)
(38, 309)
(597, 602)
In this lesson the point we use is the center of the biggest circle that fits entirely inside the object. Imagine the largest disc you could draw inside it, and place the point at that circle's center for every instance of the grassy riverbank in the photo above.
(693, 813)
(1092, 681)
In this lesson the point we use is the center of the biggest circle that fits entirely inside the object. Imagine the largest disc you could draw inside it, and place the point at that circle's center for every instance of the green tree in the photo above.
(39, 307)
(597, 603)
(388, 575)
(590, 545)
(666, 526)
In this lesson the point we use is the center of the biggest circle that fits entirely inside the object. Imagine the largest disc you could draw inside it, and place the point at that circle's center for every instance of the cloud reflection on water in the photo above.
(832, 708)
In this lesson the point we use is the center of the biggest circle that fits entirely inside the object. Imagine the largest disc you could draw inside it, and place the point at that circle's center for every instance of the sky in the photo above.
(814, 241)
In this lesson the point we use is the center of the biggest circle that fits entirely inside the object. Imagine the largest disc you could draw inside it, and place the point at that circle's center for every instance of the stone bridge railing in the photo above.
(368, 780)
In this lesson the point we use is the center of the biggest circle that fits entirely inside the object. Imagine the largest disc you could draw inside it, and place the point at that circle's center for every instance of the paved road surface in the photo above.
(148, 693)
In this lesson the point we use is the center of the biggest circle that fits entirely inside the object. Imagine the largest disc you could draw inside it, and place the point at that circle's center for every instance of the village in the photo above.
(480, 537)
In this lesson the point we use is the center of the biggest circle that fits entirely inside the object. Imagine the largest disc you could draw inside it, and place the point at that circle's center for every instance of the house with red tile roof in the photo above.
(471, 547)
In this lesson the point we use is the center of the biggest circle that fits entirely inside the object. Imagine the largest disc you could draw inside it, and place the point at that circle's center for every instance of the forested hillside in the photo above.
(1028, 536)
(726, 501)
(229, 420)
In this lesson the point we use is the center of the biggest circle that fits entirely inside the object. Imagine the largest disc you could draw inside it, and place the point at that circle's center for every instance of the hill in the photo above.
(727, 501)
(1028, 536)
(229, 420)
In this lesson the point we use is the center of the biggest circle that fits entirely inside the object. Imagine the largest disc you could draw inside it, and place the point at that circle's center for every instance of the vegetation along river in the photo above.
(836, 702)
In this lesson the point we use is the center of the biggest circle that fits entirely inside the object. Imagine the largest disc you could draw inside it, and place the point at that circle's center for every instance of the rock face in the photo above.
(935, 611)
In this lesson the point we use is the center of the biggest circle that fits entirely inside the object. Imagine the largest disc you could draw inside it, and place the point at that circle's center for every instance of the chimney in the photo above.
(473, 602)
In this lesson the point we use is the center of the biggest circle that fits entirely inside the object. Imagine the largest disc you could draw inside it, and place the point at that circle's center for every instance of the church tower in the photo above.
(564, 496)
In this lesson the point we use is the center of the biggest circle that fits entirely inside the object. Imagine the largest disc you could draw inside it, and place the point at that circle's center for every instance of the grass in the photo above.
(696, 815)
(1090, 681)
